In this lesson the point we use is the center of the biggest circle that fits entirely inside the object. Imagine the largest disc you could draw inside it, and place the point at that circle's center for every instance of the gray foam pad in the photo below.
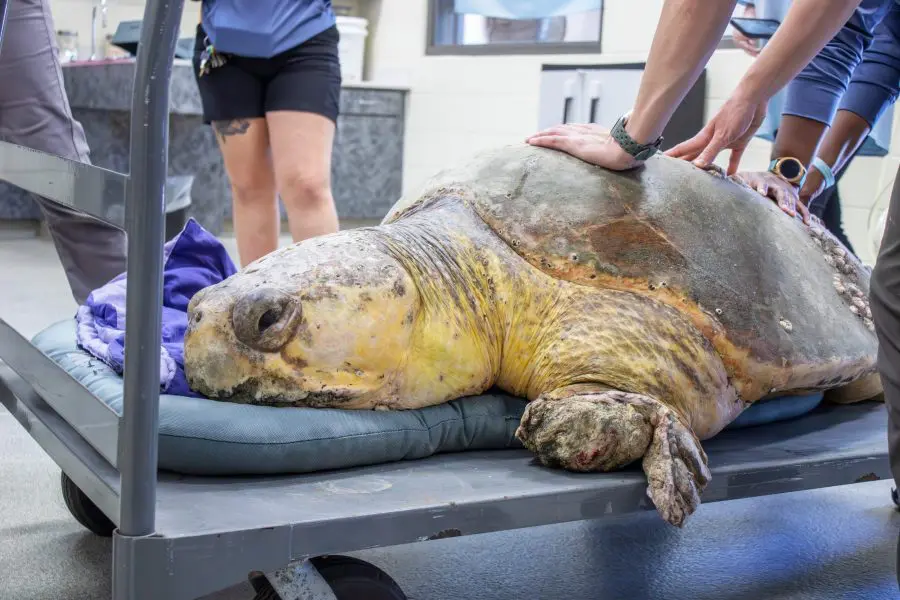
(207, 437)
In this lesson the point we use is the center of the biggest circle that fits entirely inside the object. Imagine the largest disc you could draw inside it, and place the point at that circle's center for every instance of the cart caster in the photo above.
(85, 511)
(349, 579)
(895, 497)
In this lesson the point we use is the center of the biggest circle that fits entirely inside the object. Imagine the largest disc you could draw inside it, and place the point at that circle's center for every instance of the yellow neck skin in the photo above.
(481, 312)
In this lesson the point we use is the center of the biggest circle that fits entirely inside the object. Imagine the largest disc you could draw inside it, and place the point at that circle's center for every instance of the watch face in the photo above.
(790, 168)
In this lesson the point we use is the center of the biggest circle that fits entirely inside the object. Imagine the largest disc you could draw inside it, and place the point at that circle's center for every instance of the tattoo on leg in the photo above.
(229, 128)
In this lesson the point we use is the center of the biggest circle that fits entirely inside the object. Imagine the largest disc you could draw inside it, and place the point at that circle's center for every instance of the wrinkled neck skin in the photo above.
(481, 307)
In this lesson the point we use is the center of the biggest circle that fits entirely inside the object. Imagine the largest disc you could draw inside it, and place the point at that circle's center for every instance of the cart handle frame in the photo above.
(144, 198)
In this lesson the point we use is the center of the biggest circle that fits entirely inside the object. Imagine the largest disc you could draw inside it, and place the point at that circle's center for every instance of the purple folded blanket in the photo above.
(193, 260)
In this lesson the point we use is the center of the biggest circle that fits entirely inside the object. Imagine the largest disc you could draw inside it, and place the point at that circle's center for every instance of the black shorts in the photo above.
(305, 78)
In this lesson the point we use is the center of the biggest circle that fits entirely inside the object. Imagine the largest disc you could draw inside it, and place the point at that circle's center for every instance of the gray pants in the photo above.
(885, 303)
(34, 112)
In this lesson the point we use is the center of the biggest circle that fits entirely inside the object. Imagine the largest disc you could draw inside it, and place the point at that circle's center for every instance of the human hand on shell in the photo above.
(731, 129)
(588, 142)
(772, 186)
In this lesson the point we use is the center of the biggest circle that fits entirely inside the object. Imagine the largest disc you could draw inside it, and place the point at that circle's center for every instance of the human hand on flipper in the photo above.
(591, 143)
(774, 187)
(731, 129)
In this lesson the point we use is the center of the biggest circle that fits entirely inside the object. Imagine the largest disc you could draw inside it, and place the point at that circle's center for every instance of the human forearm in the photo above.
(807, 28)
(817, 94)
(687, 34)
(798, 137)
(846, 134)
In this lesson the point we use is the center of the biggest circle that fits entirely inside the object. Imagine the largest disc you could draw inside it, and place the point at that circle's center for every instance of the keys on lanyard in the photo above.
(210, 59)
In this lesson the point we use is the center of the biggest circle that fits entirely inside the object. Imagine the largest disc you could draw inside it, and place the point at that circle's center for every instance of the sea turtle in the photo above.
(638, 312)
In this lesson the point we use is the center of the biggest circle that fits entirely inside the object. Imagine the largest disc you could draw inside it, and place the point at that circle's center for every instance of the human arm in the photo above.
(806, 29)
(798, 138)
(686, 36)
(688, 33)
(847, 132)
(874, 87)
(813, 97)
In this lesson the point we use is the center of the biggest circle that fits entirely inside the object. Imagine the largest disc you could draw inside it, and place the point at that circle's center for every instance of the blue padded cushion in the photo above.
(207, 437)
(773, 410)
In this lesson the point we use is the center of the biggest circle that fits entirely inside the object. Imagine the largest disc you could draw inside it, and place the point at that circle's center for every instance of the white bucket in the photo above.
(352, 48)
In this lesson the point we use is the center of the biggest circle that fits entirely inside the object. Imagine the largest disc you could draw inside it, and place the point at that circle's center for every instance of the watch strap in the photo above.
(629, 145)
(825, 170)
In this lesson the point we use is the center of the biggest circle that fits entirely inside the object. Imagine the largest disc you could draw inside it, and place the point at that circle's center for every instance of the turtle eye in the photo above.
(197, 298)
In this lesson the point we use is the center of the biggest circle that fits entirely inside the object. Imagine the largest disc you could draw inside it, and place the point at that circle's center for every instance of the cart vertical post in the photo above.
(145, 218)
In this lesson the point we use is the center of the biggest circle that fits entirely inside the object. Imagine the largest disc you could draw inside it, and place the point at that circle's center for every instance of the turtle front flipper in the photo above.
(604, 430)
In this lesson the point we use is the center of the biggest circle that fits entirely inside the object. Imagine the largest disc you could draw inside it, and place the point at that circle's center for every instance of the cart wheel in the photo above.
(349, 578)
(85, 511)
(895, 497)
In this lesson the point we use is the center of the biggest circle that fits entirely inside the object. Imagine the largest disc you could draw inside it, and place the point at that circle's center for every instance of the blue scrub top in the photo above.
(264, 28)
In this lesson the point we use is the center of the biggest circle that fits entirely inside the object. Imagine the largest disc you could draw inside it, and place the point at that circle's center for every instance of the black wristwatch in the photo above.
(636, 150)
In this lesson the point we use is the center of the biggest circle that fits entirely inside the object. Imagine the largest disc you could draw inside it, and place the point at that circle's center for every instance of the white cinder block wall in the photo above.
(460, 104)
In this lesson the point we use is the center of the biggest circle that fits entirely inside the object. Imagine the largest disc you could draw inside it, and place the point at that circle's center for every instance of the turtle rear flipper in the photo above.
(608, 429)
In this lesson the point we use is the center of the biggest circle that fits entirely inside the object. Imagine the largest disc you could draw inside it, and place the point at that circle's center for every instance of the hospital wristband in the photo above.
(825, 170)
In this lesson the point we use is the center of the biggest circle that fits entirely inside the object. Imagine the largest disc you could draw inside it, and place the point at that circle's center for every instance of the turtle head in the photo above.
(327, 322)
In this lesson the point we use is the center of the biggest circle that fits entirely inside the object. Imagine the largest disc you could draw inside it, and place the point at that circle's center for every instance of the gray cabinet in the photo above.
(603, 93)
(367, 163)
(367, 160)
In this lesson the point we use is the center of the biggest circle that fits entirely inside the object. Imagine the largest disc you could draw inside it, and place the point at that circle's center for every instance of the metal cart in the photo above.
(180, 537)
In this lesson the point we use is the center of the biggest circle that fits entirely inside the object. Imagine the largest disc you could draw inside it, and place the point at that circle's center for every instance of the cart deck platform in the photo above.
(212, 531)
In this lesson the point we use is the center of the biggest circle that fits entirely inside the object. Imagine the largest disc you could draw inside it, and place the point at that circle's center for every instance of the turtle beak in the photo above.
(265, 319)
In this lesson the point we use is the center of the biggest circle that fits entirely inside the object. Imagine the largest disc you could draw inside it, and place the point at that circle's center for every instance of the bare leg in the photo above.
(245, 149)
(301, 152)
(607, 430)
